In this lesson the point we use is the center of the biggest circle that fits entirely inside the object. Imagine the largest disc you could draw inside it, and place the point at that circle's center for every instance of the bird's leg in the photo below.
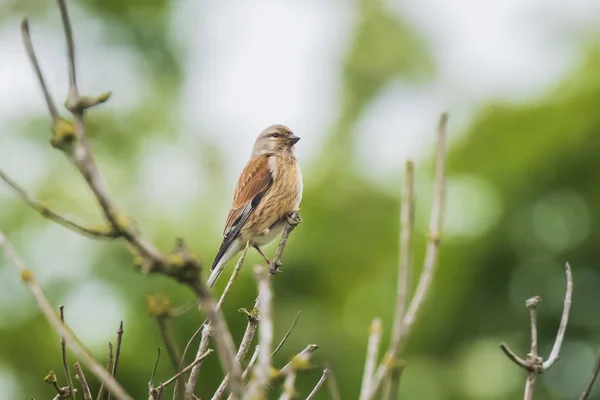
(262, 254)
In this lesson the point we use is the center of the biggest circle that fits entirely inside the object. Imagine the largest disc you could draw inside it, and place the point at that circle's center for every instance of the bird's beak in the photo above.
(293, 139)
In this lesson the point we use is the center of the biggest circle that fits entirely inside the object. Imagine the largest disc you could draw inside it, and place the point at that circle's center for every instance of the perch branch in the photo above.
(115, 365)
(289, 390)
(44, 305)
(564, 320)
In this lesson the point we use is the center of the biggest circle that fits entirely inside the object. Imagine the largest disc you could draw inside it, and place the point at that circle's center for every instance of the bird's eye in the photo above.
(275, 135)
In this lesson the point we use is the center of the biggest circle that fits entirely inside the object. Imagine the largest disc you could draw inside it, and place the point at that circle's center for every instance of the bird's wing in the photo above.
(252, 185)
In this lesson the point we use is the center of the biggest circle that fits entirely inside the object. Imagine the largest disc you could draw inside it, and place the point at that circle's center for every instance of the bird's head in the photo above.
(275, 139)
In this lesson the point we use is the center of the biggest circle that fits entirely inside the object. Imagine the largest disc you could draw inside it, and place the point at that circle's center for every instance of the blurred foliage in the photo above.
(538, 157)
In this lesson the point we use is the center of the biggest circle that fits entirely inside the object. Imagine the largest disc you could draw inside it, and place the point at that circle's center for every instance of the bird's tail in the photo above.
(221, 260)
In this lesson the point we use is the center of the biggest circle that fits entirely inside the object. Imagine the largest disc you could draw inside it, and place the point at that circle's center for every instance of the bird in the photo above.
(268, 190)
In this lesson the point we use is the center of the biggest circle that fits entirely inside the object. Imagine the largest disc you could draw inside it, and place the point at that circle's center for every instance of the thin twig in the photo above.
(223, 339)
(72, 342)
(405, 258)
(262, 371)
(533, 359)
(202, 347)
(534, 363)
(435, 230)
(289, 390)
(588, 389)
(233, 277)
(301, 361)
(63, 348)
(38, 71)
(87, 395)
(47, 212)
(391, 392)
(191, 383)
(332, 385)
(287, 334)
(324, 377)
(150, 383)
(120, 332)
(252, 361)
(241, 354)
(513, 357)
(108, 369)
(436, 221)
(166, 332)
(186, 369)
(371, 360)
(564, 320)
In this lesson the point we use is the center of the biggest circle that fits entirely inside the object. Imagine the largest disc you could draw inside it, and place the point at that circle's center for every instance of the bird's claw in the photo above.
(274, 268)
(293, 218)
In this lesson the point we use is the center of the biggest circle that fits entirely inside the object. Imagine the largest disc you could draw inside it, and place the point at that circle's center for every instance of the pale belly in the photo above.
(269, 235)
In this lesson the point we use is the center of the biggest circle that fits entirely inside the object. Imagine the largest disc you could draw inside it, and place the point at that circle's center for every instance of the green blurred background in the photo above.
(362, 82)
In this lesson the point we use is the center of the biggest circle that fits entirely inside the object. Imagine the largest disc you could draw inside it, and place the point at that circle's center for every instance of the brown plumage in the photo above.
(269, 188)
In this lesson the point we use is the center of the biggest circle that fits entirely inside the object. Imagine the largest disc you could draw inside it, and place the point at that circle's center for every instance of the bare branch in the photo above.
(241, 354)
(222, 336)
(588, 389)
(150, 383)
(72, 342)
(301, 361)
(262, 371)
(117, 354)
(371, 360)
(436, 221)
(186, 369)
(391, 392)
(435, 230)
(513, 357)
(534, 363)
(166, 332)
(87, 395)
(334, 390)
(63, 348)
(324, 377)
(252, 361)
(289, 390)
(47, 212)
(234, 275)
(248, 335)
(564, 320)
(292, 222)
(287, 334)
(38, 71)
(202, 348)
(109, 367)
(405, 258)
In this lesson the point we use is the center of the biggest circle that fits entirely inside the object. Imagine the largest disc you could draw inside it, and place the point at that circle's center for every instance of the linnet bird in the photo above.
(267, 191)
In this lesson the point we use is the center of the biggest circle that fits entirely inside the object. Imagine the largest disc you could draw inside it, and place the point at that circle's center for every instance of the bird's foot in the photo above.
(293, 218)
(262, 254)
(274, 268)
